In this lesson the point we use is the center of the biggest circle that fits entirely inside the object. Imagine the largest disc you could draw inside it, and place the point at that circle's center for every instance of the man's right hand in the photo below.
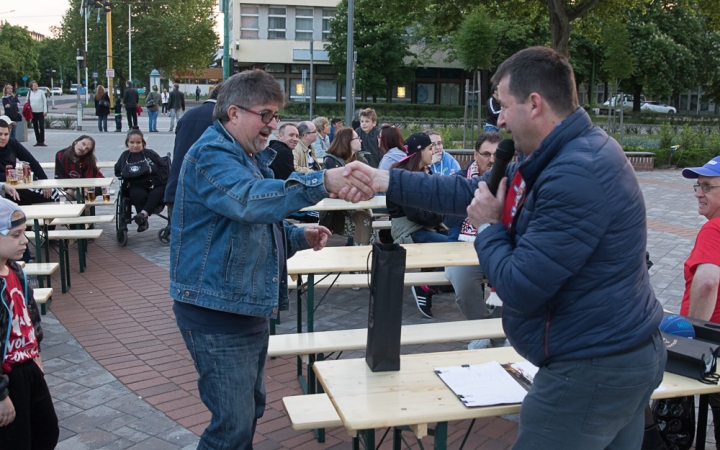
(377, 180)
(354, 188)
(7, 412)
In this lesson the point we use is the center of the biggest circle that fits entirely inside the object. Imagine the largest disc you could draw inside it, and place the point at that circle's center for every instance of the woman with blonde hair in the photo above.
(102, 107)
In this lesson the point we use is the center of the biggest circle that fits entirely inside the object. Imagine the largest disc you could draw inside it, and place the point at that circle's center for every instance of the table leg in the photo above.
(368, 438)
(311, 303)
(702, 422)
(38, 246)
(61, 248)
(299, 327)
(441, 436)
(397, 438)
(47, 240)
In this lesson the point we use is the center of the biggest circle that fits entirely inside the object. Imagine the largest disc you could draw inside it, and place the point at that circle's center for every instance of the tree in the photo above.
(22, 51)
(381, 52)
(175, 37)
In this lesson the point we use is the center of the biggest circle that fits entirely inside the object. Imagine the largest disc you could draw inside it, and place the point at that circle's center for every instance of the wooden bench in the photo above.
(310, 412)
(100, 165)
(64, 237)
(346, 281)
(42, 298)
(346, 340)
(40, 270)
(84, 220)
(381, 224)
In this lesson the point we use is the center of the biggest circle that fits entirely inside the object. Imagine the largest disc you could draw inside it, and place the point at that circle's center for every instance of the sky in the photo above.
(36, 15)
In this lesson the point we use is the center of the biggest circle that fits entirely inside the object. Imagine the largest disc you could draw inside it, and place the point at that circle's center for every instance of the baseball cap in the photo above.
(7, 120)
(710, 169)
(7, 209)
(416, 142)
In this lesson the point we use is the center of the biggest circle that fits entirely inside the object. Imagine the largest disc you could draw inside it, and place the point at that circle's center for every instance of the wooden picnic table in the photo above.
(336, 204)
(100, 165)
(66, 183)
(415, 396)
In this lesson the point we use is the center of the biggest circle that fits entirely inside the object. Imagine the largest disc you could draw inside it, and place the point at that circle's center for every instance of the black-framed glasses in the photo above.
(485, 154)
(266, 116)
(705, 187)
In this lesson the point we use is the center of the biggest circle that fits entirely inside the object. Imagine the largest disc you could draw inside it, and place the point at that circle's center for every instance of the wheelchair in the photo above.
(123, 214)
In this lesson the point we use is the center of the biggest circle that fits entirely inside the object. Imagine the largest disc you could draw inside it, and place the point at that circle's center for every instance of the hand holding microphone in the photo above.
(487, 206)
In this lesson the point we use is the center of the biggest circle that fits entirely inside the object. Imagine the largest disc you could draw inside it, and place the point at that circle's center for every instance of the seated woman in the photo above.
(144, 175)
(413, 225)
(390, 141)
(357, 224)
(77, 161)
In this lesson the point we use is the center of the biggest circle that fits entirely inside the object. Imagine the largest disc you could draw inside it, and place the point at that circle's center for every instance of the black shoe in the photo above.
(142, 222)
(423, 300)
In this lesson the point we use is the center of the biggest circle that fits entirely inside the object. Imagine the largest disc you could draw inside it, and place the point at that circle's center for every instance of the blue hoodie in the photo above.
(446, 166)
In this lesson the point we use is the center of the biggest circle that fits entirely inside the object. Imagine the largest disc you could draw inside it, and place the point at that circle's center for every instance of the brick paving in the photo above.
(120, 374)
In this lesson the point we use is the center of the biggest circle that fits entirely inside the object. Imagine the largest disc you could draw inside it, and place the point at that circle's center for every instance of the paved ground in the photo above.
(120, 374)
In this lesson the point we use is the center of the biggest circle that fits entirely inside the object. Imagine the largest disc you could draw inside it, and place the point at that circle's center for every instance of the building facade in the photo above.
(275, 36)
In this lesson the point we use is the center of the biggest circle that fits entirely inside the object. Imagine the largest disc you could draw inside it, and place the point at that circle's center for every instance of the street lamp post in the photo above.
(79, 58)
(349, 72)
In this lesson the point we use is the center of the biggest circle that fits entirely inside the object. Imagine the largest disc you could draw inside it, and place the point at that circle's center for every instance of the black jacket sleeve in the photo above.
(59, 166)
(121, 163)
(283, 165)
(422, 217)
(160, 171)
(24, 155)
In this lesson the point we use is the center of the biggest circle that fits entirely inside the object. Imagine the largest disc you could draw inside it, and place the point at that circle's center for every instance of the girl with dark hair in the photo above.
(390, 141)
(357, 224)
(144, 175)
(413, 225)
(77, 161)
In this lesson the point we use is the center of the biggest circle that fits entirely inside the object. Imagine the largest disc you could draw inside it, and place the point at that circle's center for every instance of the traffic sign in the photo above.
(95, 74)
(24, 78)
(110, 73)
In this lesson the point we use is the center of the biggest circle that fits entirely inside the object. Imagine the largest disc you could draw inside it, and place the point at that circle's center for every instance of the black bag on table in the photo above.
(385, 312)
(691, 358)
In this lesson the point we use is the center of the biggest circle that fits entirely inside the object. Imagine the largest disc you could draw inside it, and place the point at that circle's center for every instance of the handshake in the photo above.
(356, 182)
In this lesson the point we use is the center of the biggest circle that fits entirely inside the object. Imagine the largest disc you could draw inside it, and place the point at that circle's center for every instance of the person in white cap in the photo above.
(27, 415)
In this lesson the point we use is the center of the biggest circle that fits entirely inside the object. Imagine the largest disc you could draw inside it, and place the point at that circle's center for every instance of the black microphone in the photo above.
(503, 155)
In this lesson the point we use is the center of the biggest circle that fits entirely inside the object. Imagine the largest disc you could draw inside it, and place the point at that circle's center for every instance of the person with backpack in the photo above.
(152, 103)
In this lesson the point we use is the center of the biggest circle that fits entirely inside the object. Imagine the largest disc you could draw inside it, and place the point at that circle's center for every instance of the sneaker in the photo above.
(479, 344)
(423, 300)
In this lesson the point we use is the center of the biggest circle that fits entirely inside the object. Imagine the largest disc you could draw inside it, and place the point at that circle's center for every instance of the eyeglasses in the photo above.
(436, 144)
(266, 117)
(705, 187)
(311, 132)
(485, 154)
(358, 138)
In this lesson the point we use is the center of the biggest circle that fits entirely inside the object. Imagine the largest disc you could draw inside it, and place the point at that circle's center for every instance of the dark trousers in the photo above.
(131, 117)
(164, 108)
(36, 425)
(118, 122)
(146, 199)
(38, 122)
(33, 196)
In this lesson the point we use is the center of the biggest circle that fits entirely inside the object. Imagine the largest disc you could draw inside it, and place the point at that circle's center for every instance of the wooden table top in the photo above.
(415, 395)
(336, 204)
(346, 259)
(66, 183)
(52, 210)
(100, 164)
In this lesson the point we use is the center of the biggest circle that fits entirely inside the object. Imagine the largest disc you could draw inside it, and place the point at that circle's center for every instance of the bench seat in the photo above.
(105, 218)
(100, 165)
(381, 224)
(345, 340)
(56, 235)
(308, 412)
(354, 280)
(40, 269)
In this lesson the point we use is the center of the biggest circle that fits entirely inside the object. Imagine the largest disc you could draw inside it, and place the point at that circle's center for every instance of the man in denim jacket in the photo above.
(229, 248)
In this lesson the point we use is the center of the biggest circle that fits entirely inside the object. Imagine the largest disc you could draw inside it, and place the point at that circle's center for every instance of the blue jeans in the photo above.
(593, 403)
(491, 128)
(423, 236)
(231, 369)
(102, 123)
(152, 116)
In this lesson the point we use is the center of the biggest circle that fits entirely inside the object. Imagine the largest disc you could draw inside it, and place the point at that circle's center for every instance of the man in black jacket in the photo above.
(131, 100)
(189, 129)
(283, 164)
(10, 151)
(176, 103)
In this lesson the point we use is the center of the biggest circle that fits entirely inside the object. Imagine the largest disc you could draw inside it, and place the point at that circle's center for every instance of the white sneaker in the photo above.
(479, 344)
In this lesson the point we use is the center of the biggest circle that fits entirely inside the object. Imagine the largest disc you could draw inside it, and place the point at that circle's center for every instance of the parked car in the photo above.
(45, 89)
(22, 90)
(658, 107)
(141, 90)
(57, 90)
(627, 100)
(73, 88)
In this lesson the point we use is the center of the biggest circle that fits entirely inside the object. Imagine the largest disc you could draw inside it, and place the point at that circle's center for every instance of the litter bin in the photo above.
(596, 111)
(21, 130)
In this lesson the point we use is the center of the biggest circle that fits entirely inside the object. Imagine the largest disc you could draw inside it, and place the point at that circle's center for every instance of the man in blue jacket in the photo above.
(565, 251)
(228, 252)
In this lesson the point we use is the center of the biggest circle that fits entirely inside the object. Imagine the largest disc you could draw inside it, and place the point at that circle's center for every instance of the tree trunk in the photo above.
(637, 91)
(559, 27)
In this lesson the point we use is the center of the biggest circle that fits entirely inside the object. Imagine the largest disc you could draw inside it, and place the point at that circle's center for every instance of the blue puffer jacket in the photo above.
(572, 274)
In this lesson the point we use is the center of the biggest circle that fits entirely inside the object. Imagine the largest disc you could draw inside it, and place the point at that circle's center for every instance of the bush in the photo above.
(666, 135)
(384, 110)
(642, 143)
(66, 122)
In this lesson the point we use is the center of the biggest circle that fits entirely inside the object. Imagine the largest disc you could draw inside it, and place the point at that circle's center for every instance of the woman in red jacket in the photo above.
(77, 161)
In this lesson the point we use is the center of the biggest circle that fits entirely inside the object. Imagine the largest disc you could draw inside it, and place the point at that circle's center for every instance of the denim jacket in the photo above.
(223, 253)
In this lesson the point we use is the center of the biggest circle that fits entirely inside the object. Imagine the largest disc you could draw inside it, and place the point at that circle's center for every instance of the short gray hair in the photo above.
(320, 122)
(249, 89)
(303, 127)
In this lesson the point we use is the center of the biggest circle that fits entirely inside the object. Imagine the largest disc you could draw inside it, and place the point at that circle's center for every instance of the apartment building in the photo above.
(275, 36)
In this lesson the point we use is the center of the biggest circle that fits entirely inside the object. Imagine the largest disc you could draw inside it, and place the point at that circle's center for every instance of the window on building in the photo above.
(325, 91)
(298, 90)
(276, 23)
(249, 21)
(425, 93)
(450, 73)
(425, 73)
(281, 82)
(328, 14)
(274, 68)
(683, 102)
(449, 94)
(693, 102)
(322, 69)
(303, 24)
(705, 104)
(401, 94)
(298, 68)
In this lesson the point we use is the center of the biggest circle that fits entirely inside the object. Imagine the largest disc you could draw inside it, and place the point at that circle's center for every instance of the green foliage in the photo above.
(616, 41)
(298, 109)
(19, 53)
(666, 135)
(174, 37)
(642, 142)
(381, 51)
(476, 40)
